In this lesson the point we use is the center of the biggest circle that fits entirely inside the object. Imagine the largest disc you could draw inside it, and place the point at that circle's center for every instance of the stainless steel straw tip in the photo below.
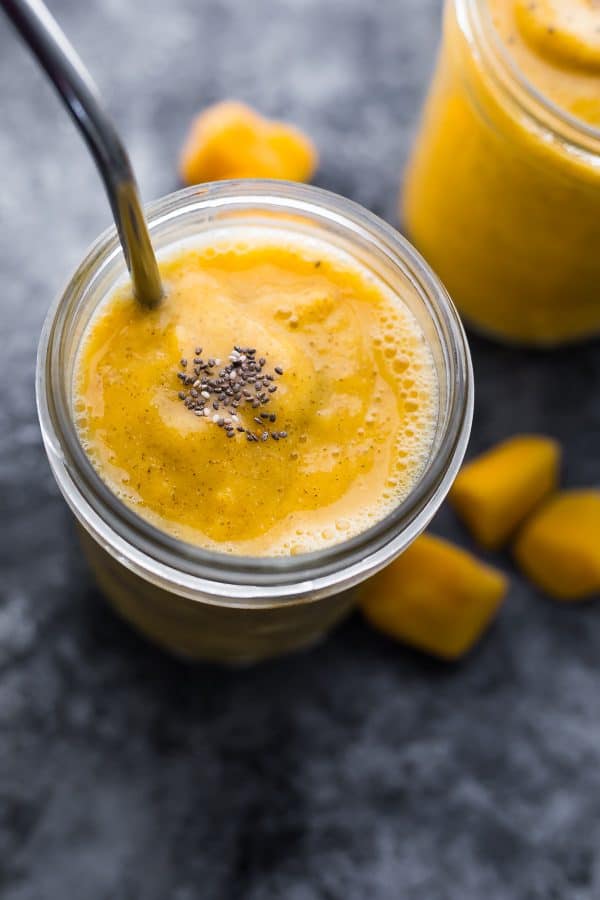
(79, 93)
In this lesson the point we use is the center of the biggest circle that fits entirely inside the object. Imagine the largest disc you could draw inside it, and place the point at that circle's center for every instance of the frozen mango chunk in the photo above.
(435, 596)
(558, 548)
(496, 491)
(231, 140)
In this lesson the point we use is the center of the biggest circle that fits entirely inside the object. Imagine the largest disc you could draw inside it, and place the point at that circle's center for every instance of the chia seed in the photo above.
(242, 382)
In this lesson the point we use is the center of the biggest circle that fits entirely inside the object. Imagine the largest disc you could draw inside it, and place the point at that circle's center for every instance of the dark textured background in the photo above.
(356, 770)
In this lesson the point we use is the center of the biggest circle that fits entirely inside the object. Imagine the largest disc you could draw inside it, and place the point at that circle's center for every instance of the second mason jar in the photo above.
(502, 193)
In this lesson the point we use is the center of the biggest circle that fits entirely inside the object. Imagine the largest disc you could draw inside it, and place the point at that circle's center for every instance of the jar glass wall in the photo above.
(502, 192)
(209, 605)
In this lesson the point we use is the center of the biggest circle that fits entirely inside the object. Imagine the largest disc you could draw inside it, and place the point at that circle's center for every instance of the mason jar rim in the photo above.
(478, 28)
(222, 577)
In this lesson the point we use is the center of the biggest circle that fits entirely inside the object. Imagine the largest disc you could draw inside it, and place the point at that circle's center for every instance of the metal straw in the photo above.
(79, 93)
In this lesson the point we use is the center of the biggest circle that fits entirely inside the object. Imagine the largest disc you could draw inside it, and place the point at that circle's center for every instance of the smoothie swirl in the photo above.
(556, 45)
(352, 393)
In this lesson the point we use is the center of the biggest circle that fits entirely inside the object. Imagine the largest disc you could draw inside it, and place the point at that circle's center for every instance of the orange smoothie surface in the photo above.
(355, 404)
(556, 45)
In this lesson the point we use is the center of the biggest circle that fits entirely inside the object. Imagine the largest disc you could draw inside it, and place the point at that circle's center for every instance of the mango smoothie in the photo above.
(502, 193)
(305, 384)
(280, 400)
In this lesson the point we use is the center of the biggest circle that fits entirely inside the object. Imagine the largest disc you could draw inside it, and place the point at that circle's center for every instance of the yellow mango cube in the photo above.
(496, 491)
(436, 596)
(231, 140)
(558, 548)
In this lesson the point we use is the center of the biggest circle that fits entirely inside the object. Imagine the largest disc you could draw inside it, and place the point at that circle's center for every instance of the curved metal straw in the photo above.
(80, 95)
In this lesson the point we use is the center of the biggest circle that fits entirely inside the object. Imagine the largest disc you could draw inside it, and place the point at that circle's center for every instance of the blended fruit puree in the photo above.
(356, 399)
(504, 208)
(556, 44)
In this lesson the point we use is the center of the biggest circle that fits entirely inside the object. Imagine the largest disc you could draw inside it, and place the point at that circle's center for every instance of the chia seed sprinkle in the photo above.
(242, 382)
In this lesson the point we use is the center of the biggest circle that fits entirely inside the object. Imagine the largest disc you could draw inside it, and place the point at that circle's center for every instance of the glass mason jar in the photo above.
(502, 192)
(207, 605)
